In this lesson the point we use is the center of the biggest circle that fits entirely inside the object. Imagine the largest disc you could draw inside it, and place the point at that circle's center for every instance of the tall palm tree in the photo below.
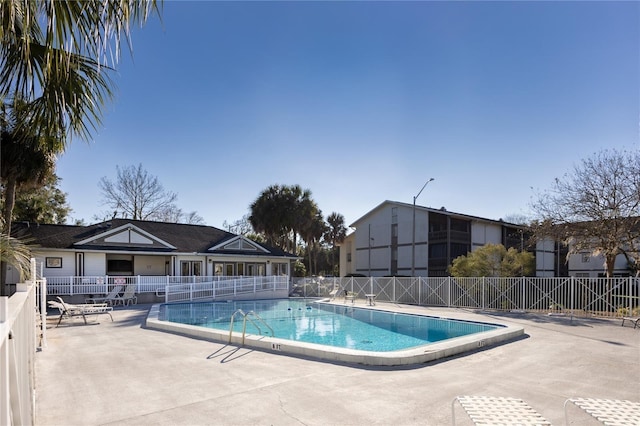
(54, 59)
(336, 233)
(281, 212)
(312, 233)
(55, 55)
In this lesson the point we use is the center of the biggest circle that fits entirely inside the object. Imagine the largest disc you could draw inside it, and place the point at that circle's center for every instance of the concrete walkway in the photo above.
(123, 374)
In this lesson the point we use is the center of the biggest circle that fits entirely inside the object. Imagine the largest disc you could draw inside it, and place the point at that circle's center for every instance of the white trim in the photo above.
(243, 240)
(127, 226)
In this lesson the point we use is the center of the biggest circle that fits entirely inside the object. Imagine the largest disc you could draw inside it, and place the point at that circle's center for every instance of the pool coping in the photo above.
(416, 355)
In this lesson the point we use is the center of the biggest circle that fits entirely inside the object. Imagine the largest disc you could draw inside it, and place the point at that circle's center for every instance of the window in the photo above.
(254, 269)
(585, 257)
(218, 269)
(229, 269)
(190, 267)
(240, 268)
(280, 269)
(119, 267)
(394, 215)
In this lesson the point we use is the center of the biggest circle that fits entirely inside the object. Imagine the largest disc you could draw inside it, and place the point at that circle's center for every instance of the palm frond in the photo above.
(15, 253)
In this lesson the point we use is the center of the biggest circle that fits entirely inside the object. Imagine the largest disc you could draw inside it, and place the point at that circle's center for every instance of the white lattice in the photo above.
(611, 412)
(496, 411)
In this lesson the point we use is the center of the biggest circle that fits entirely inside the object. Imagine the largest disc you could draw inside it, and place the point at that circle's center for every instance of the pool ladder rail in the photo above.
(245, 317)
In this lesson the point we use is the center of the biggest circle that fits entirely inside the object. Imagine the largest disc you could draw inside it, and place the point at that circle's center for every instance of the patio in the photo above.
(121, 373)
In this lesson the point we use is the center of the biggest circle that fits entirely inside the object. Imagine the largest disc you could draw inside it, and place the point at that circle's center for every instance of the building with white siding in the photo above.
(382, 241)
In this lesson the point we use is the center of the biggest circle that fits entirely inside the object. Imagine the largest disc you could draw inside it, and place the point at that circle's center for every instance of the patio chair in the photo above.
(634, 320)
(490, 410)
(129, 295)
(110, 298)
(68, 310)
(607, 411)
(333, 293)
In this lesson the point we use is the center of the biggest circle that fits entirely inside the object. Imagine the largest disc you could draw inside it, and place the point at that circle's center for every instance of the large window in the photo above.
(190, 267)
(280, 269)
(120, 266)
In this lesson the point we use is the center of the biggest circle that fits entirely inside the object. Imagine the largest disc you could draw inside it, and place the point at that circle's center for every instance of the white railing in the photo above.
(232, 287)
(606, 297)
(91, 285)
(17, 356)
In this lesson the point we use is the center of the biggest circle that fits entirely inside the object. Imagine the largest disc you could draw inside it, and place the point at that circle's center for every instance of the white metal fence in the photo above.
(18, 340)
(608, 297)
(233, 287)
(213, 285)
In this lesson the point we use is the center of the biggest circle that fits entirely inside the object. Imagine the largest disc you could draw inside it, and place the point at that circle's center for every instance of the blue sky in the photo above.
(361, 102)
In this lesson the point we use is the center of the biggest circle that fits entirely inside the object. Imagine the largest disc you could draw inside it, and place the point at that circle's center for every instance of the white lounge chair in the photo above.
(491, 410)
(110, 298)
(129, 295)
(607, 411)
(68, 310)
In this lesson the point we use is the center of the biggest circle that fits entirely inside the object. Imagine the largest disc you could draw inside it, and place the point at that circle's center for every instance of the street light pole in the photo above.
(413, 232)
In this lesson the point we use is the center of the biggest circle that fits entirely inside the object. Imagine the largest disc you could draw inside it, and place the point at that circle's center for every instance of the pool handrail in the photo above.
(246, 316)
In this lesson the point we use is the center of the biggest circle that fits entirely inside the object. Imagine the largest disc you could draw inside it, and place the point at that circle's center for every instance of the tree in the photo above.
(138, 195)
(312, 232)
(42, 204)
(336, 233)
(27, 159)
(56, 55)
(595, 207)
(493, 260)
(15, 253)
(53, 75)
(239, 227)
(175, 214)
(280, 213)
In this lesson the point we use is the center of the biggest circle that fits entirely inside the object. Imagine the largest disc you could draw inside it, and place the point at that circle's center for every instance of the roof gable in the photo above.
(239, 243)
(127, 235)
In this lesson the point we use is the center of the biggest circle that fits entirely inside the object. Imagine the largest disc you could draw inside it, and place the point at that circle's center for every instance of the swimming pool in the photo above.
(330, 331)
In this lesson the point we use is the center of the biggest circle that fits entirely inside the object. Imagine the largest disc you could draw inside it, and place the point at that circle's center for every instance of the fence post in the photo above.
(419, 288)
(573, 292)
(43, 312)
(5, 399)
(138, 284)
(524, 295)
(449, 291)
(630, 297)
(71, 286)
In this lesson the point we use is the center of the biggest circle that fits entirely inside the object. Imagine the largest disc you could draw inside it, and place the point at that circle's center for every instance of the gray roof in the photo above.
(184, 238)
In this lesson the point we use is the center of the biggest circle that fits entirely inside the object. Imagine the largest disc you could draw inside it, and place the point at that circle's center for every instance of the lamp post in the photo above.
(413, 232)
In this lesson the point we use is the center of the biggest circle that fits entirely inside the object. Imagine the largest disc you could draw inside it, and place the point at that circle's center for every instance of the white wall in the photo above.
(149, 265)
(594, 265)
(68, 264)
(485, 233)
(95, 264)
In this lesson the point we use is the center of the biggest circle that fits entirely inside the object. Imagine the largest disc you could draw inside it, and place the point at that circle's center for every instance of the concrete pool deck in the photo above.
(121, 373)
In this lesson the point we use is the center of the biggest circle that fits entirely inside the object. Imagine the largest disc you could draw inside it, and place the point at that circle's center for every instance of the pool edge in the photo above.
(418, 355)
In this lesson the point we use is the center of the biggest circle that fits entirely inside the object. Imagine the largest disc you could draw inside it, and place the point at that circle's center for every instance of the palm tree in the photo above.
(15, 253)
(336, 233)
(267, 214)
(54, 58)
(26, 158)
(281, 212)
(55, 55)
(312, 233)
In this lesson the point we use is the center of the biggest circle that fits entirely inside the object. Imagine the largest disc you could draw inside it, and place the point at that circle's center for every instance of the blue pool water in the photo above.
(325, 324)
